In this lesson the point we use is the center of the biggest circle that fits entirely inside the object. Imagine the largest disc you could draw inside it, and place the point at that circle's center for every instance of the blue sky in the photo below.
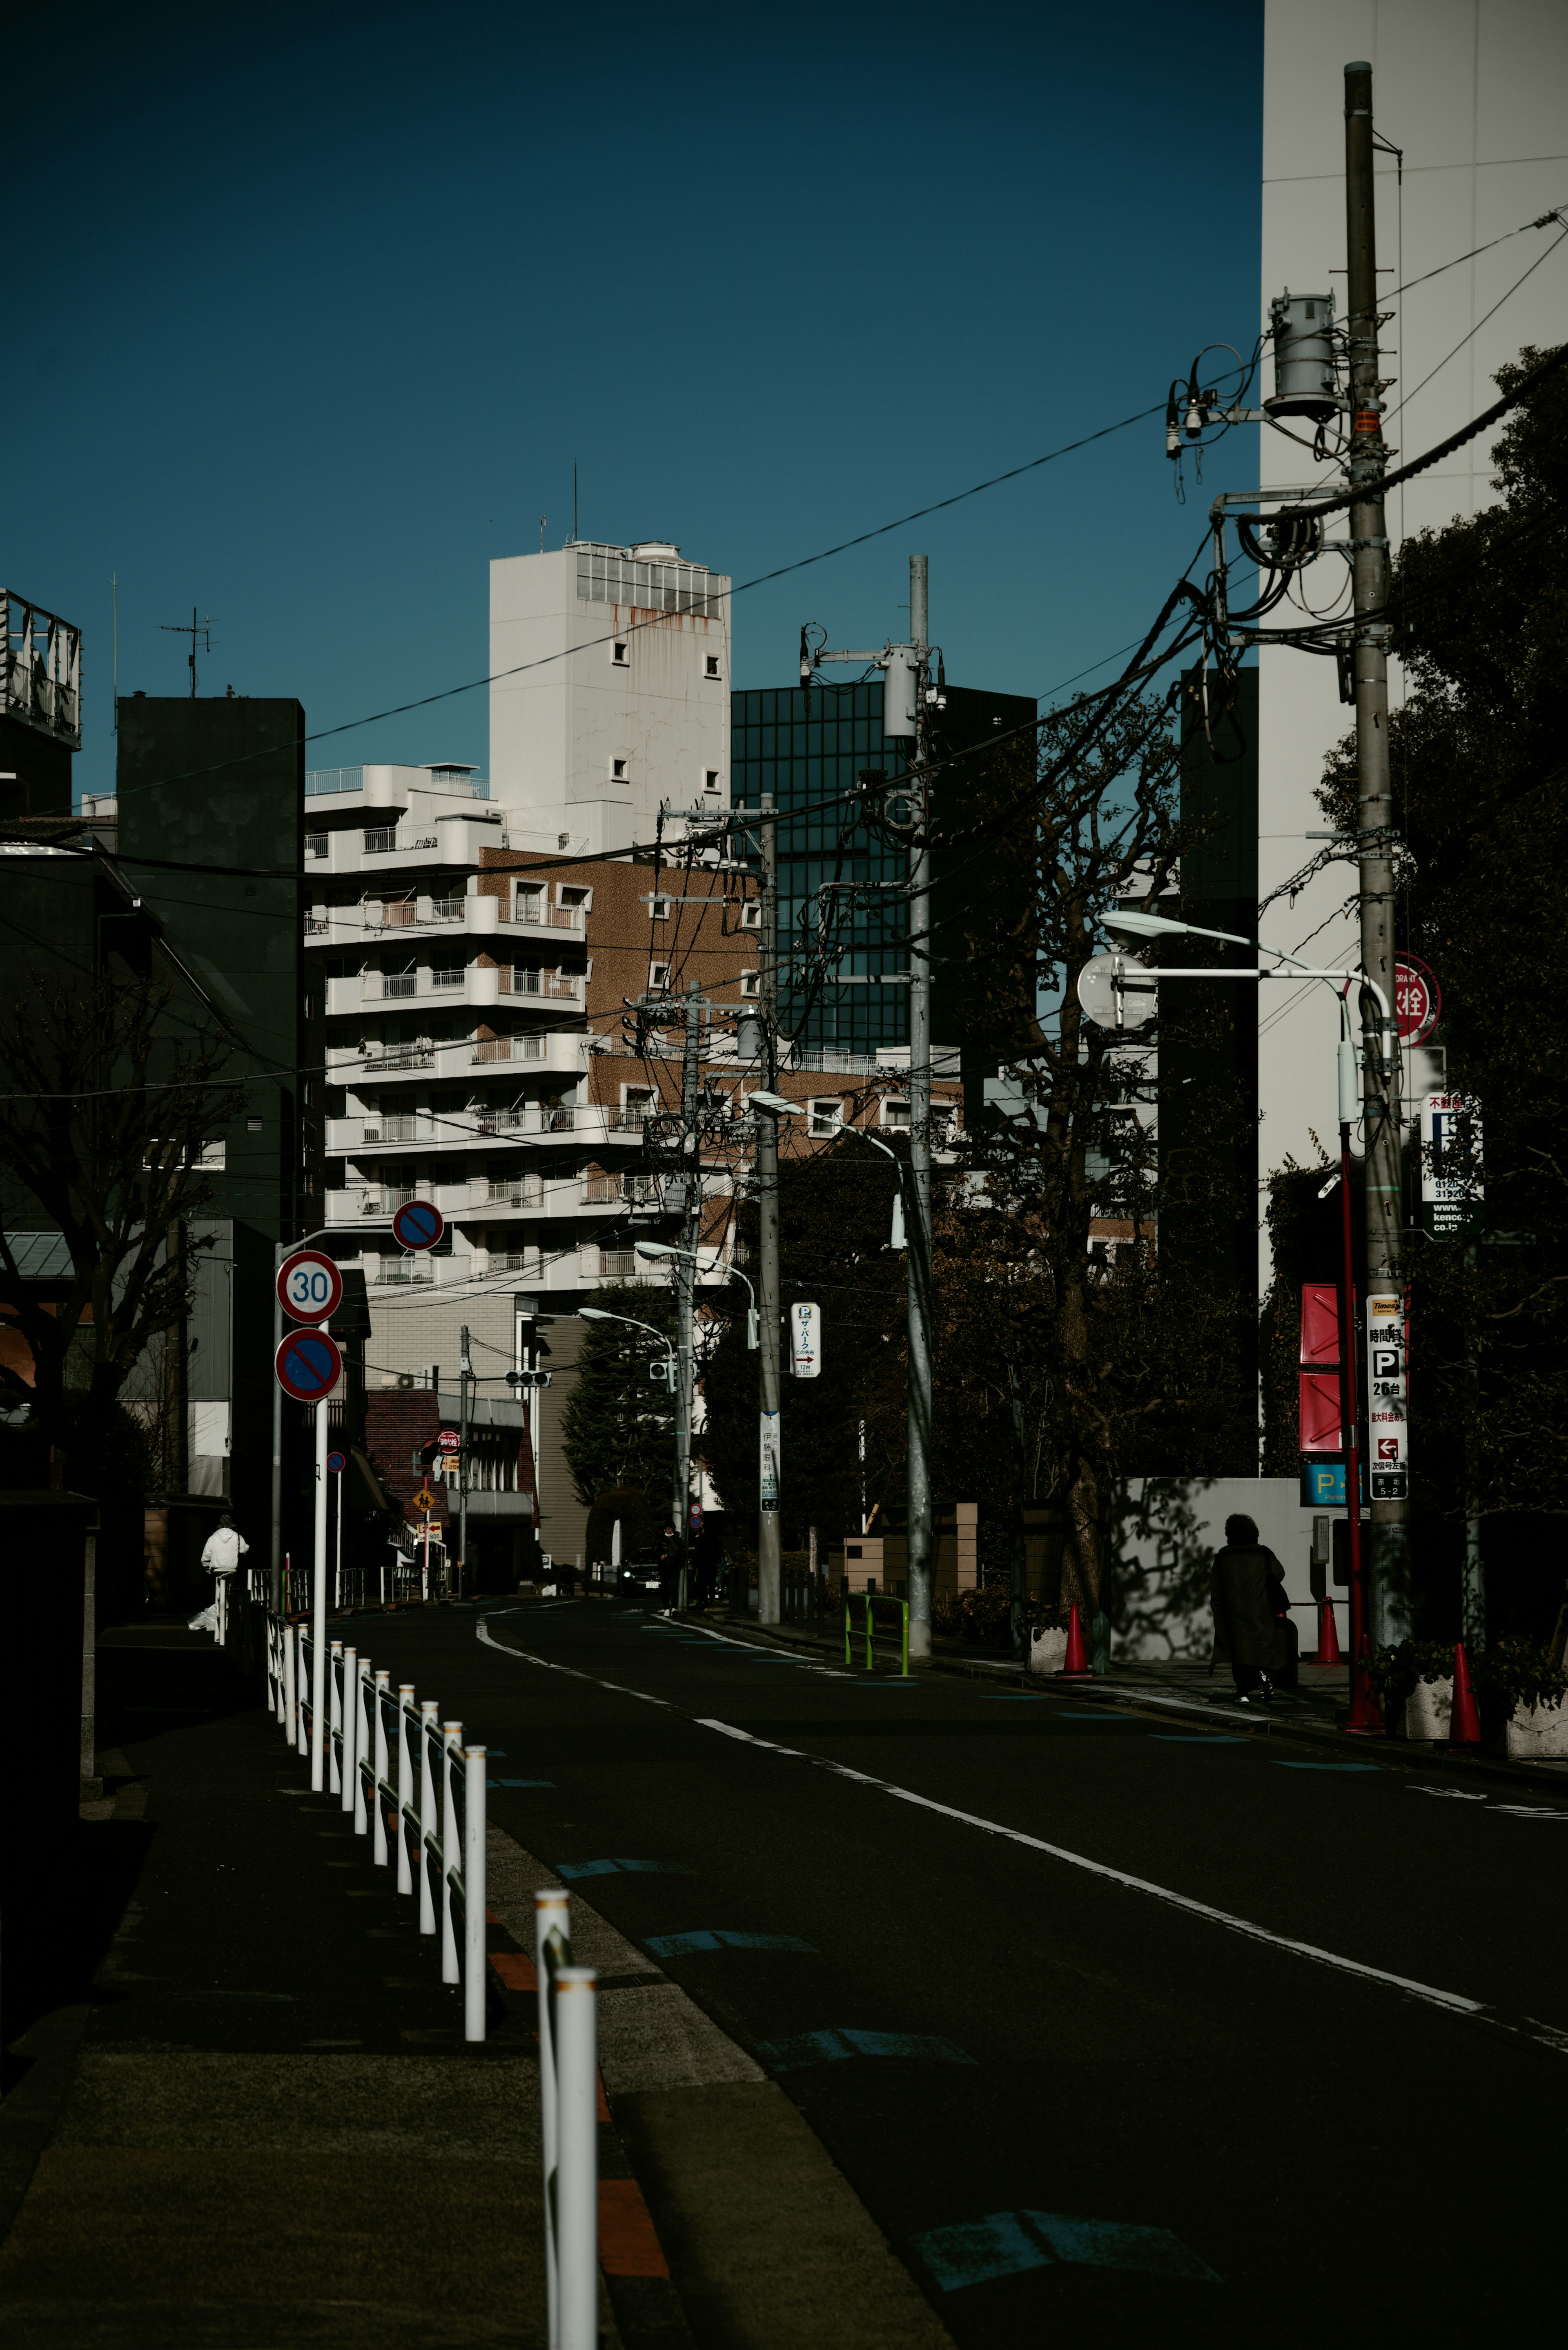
(320, 305)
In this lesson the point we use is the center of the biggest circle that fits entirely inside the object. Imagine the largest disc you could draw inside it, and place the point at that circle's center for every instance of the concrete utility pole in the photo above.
(465, 1373)
(918, 1229)
(1390, 1577)
(685, 1266)
(768, 1544)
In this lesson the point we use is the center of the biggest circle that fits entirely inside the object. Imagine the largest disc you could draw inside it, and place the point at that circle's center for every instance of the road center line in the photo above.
(1475, 2011)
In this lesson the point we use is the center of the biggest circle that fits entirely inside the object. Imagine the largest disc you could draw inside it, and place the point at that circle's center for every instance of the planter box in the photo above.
(1048, 1651)
(1536, 1732)
(1428, 1709)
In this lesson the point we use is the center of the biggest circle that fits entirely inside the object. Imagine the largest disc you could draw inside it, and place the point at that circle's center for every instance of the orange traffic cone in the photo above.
(1327, 1636)
(1464, 1728)
(1075, 1664)
(1366, 1713)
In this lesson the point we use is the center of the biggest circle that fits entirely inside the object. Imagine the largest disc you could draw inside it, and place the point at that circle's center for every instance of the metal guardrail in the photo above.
(873, 1600)
(438, 1829)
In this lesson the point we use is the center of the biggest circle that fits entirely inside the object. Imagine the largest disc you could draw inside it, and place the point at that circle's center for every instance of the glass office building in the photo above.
(808, 747)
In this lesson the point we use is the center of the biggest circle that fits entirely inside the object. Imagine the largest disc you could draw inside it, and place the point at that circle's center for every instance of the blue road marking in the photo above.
(1007, 2243)
(572, 1870)
(519, 1782)
(831, 2047)
(720, 1937)
(1018, 1697)
(1195, 1738)
(1326, 1766)
(1097, 1714)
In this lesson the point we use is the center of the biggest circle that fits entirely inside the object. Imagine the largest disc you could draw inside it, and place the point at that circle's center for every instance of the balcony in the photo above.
(533, 914)
(621, 1264)
(398, 986)
(385, 1199)
(385, 1129)
(558, 987)
(619, 1191)
(489, 1049)
(405, 1272)
(527, 1192)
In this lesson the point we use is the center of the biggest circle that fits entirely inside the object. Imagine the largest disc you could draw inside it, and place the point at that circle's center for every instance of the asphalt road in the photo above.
(1068, 2100)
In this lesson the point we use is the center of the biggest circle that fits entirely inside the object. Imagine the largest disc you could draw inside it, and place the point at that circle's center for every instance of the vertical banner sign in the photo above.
(1387, 1432)
(770, 1459)
(1451, 1190)
(806, 1341)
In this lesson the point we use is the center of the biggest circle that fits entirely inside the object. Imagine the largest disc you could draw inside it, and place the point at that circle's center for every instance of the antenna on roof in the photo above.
(191, 628)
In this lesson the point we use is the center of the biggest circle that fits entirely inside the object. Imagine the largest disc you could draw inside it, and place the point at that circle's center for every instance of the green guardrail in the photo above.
(872, 1601)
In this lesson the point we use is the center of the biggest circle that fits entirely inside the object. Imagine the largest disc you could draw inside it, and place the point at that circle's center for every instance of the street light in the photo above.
(1364, 1714)
(731, 1272)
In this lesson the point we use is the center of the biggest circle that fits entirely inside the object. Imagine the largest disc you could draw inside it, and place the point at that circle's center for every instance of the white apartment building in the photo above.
(1475, 93)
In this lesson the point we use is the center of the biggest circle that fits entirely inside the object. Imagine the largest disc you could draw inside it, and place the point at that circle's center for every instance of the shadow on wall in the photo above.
(1164, 1535)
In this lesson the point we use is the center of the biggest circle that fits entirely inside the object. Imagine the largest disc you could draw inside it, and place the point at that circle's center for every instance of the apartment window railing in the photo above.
(379, 838)
(398, 983)
(447, 910)
(514, 1260)
(390, 1129)
(321, 780)
(538, 916)
(447, 976)
(628, 1122)
(562, 987)
(400, 1057)
(619, 1264)
(527, 1192)
(499, 1121)
(386, 1198)
(398, 913)
(509, 1048)
(399, 1273)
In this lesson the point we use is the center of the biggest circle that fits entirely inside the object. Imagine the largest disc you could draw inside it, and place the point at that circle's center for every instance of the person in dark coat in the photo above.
(672, 1556)
(1247, 1591)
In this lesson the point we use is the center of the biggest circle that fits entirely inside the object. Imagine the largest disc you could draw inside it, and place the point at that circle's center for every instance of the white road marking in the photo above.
(1527, 2028)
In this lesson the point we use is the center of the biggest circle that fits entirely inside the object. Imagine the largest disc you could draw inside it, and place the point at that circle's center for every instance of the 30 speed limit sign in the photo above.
(309, 1286)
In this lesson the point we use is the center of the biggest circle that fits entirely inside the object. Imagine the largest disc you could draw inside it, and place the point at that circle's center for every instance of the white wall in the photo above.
(1476, 93)
(554, 730)
(1170, 1529)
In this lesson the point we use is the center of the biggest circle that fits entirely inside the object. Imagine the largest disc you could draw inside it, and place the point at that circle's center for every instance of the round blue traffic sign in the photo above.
(337, 1462)
(308, 1365)
(418, 1224)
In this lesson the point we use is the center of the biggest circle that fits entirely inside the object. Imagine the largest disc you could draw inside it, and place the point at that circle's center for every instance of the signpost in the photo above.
(335, 1464)
(309, 1286)
(806, 1341)
(1386, 1428)
(307, 1365)
(1451, 1184)
(418, 1224)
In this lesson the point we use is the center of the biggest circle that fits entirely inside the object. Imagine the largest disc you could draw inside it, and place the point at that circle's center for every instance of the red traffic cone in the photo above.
(1464, 1727)
(1075, 1664)
(1366, 1713)
(1327, 1636)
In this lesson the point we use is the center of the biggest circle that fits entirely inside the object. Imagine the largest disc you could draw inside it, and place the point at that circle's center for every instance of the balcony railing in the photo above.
(400, 1056)
(527, 1192)
(514, 1260)
(389, 1129)
(398, 985)
(397, 913)
(402, 1273)
(536, 915)
(385, 1199)
(510, 1048)
(562, 987)
(624, 1191)
(502, 1121)
(447, 910)
(448, 980)
(628, 1122)
(619, 1264)
(379, 838)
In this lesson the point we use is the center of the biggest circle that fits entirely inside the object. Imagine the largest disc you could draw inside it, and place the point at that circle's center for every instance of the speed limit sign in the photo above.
(309, 1286)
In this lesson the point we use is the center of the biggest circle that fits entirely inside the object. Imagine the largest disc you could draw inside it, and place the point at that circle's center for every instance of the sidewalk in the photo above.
(1315, 1709)
(262, 2127)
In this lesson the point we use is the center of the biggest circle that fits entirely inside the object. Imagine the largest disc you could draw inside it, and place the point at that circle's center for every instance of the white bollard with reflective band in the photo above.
(301, 1640)
(285, 1642)
(377, 1700)
(474, 1959)
(552, 1948)
(430, 1747)
(576, 2166)
(361, 1743)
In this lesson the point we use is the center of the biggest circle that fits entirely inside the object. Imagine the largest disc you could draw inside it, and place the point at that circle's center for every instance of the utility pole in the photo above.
(465, 1373)
(686, 1268)
(768, 1543)
(1390, 1577)
(918, 1231)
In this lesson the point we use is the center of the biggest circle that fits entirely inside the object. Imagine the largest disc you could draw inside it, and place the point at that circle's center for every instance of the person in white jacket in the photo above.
(224, 1549)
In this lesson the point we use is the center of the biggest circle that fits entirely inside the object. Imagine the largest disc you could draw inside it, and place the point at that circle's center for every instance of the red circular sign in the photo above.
(449, 1441)
(418, 1224)
(1417, 1000)
(309, 1286)
(308, 1365)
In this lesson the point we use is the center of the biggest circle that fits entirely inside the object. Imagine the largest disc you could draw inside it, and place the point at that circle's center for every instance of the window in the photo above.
(752, 915)
(896, 1112)
(712, 666)
(659, 974)
(710, 779)
(751, 984)
(379, 838)
(637, 1097)
(826, 1118)
(660, 909)
(575, 897)
(618, 654)
(530, 905)
(315, 844)
(399, 983)
(447, 974)
(617, 771)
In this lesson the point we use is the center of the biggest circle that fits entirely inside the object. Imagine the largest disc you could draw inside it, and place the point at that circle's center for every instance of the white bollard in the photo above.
(450, 1848)
(350, 1715)
(405, 1785)
(335, 1719)
(552, 1947)
(475, 1962)
(429, 1811)
(301, 1639)
(285, 1642)
(377, 1699)
(577, 2164)
(361, 1744)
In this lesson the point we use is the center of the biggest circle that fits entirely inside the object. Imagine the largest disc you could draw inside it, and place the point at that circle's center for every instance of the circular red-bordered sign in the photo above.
(309, 1286)
(418, 1224)
(1417, 1000)
(308, 1365)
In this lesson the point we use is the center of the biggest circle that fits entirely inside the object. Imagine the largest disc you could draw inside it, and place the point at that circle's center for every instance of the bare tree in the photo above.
(110, 1093)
